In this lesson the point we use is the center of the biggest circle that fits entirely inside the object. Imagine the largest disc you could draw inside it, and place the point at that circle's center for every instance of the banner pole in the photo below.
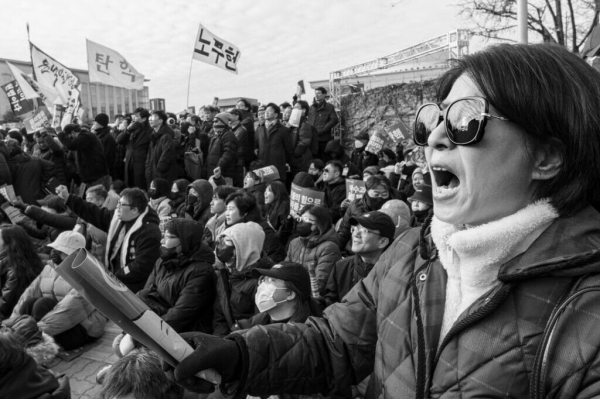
(187, 103)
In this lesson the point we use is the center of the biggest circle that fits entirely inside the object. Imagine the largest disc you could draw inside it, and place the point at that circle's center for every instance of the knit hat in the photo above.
(291, 272)
(371, 170)
(68, 242)
(417, 170)
(423, 194)
(224, 117)
(102, 119)
(304, 180)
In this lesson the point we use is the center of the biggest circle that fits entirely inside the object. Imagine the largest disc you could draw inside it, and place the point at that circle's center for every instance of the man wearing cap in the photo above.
(274, 142)
(222, 150)
(162, 159)
(372, 233)
(102, 130)
(283, 296)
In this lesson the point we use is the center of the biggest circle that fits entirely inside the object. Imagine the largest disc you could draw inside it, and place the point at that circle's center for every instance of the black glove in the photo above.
(210, 352)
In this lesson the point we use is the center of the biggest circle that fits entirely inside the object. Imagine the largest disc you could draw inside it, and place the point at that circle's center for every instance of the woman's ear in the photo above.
(292, 296)
(548, 162)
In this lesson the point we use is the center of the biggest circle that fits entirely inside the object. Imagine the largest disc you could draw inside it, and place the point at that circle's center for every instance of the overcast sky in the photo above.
(281, 41)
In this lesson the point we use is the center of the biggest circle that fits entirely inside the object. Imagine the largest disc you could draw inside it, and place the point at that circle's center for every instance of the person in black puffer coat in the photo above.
(89, 154)
(222, 150)
(162, 159)
(103, 131)
(28, 173)
(136, 137)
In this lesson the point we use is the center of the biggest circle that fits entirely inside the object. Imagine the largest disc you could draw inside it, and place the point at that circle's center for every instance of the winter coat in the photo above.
(182, 291)
(29, 174)
(323, 117)
(493, 350)
(55, 154)
(272, 246)
(241, 134)
(71, 310)
(200, 211)
(235, 296)
(335, 194)
(214, 227)
(222, 152)
(137, 140)
(363, 159)
(133, 263)
(162, 206)
(110, 148)
(11, 292)
(162, 159)
(274, 147)
(302, 143)
(5, 177)
(317, 254)
(90, 159)
(346, 273)
(248, 124)
(121, 153)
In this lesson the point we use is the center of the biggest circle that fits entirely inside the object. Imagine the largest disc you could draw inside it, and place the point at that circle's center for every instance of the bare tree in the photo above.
(569, 26)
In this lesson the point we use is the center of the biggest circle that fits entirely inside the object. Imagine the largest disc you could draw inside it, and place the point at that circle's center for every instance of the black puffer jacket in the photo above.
(55, 154)
(5, 177)
(110, 148)
(29, 174)
(182, 291)
(90, 159)
(346, 273)
(137, 139)
(335, 194)
(162, 158)
(222, 152)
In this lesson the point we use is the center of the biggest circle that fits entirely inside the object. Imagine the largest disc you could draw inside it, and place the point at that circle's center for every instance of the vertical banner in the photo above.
(355, 189)
(301, 197)
(398, 132)
(107, 66)
(18, 103)
(215, 51)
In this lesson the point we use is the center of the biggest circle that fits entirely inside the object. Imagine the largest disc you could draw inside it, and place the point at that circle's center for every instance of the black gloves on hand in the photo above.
(210, 352)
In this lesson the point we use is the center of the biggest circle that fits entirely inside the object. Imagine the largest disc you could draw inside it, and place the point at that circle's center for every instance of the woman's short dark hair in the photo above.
(304, 105)
(246, 203)
(552, 94)
(377, 180)
(318, 164)
(222, 192)
(161, 186)
(321, 214)
(237, 113)
(136, 198)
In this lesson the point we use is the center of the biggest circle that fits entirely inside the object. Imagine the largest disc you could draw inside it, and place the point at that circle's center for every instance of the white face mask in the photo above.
(264, 297)
(358, 144)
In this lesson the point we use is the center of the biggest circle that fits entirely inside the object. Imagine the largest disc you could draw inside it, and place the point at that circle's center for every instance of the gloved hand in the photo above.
(20, 205)
(210, 352)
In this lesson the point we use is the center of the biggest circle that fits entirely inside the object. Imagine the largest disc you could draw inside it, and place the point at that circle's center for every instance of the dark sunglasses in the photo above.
(464, 120)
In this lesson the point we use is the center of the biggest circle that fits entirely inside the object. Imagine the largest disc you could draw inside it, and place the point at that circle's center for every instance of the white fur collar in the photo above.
(473, 256)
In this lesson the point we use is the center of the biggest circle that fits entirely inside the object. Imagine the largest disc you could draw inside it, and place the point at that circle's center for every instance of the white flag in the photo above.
(52, 73)
(111, 68)
(28, 91)
(216, 51)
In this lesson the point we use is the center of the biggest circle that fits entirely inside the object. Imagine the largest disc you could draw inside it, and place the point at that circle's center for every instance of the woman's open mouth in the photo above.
(446, 182)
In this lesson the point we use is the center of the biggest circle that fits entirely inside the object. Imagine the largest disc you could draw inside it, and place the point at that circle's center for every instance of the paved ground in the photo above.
(82, 370)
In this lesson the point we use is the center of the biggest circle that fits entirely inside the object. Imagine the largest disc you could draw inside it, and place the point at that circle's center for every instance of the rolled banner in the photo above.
(107, 294)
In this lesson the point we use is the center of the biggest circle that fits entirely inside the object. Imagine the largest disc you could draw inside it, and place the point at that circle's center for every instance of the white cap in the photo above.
(68, 242)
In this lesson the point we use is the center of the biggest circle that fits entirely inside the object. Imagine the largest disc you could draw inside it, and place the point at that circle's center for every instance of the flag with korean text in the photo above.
(300, 197)
(398, 132)
(28, 92)
(378, 141)
(107, 66)
(18, 103)
(215, 51)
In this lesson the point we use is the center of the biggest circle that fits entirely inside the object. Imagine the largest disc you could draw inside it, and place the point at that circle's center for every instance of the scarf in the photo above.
(472, 256)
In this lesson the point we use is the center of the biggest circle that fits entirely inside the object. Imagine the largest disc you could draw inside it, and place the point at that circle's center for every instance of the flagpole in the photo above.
(187, 104)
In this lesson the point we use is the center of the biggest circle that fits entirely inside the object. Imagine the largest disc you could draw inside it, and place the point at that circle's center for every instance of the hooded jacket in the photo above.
(28, 175)
(200, 211)
(182, 290)
(317, 253)
(494, 348)
(71, 310)
(236, 288)
(141, 245)
(162, 158)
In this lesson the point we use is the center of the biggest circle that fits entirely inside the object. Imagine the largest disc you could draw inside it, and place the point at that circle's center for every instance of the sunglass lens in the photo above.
(428, 118)
(464, 120)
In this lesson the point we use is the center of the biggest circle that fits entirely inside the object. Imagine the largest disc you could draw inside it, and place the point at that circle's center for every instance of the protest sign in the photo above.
(107, 66)
(28, 92)
(8, 192)
(18, 103)
(37, 120)
(355, 189)
(13, 214)
(378, 141)
(295, 117)
(107, 294)
(300, 197)
(267, 174)
(216, 51)
(397, 132)
(59, 112)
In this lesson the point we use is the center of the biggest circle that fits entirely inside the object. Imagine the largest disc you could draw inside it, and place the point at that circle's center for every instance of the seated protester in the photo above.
(335, 151)
(304, 180)
(242, 208)
(200, 194)
(254, 186)
(138, 375)
(421, 203)
(400, 214)
(377, 194)
(370, 171)
(22, 377)
(216, 224)
(181, 287)
(316, 247)
(372, 234)
(23, 266)
(159, 199)
(116, 187)
(334, 189)
(37, 344)
(315, 170)
(239, 249)
(277, 212)
(283, 296)
(96, 238)
(133, 235)
(359, 157)
(58, 309)
(178, 197)
(418, 178)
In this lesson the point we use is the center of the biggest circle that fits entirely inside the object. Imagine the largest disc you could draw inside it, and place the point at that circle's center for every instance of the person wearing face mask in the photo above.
(378, 192)
(159, 200)
(222, 150)
(421, 203)
(283, 296)
(316, 247)
(359, 156)
(239, 250)
(178, 197)
(57, 308)
(216, 224)
(198, 201)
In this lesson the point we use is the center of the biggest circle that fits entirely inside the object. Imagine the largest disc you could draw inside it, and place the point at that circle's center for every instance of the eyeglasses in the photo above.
(120, 204)
(464, 120)
(362, 230)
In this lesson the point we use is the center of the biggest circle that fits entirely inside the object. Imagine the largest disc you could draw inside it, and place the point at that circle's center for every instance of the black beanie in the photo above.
(102, 119)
